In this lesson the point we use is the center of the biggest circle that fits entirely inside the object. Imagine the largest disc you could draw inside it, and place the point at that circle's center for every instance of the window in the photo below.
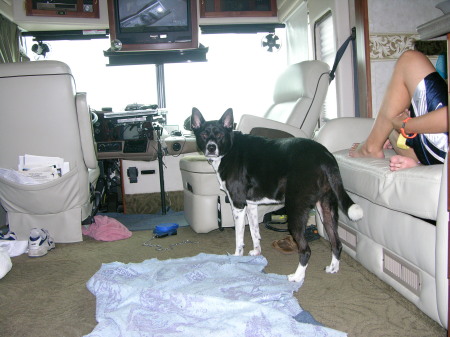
(297, 30)
(325, 50)
(105, 86)
(239, 74)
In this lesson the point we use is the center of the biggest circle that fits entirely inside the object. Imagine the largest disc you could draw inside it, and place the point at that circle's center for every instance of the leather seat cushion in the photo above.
(196, 164)
(414, 191)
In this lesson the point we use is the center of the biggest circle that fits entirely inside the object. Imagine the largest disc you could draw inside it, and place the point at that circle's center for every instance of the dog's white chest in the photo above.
(215, 164)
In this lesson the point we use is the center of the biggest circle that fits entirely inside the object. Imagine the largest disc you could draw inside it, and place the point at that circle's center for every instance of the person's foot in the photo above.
(359, 150)
(398, 162)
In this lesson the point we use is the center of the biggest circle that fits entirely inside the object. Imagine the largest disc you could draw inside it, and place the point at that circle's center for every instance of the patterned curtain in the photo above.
(10, 41)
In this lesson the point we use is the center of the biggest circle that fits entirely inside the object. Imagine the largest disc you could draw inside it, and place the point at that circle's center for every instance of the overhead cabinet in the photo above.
(237, 8)
(68, 8)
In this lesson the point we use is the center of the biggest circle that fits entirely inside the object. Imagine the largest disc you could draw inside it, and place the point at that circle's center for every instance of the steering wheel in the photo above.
(94, 117)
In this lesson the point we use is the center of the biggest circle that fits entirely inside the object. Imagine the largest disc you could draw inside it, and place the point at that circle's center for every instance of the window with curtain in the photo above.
(10, 41)
(297, 31)
(325, 50)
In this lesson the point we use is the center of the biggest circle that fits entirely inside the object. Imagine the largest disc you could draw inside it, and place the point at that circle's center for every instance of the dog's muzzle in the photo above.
(211, 149)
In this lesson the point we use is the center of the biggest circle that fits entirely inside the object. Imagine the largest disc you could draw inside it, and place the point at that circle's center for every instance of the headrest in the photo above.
(46, 67)
(299, 80)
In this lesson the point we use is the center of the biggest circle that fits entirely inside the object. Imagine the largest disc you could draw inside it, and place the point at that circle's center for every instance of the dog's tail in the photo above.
(353, 211)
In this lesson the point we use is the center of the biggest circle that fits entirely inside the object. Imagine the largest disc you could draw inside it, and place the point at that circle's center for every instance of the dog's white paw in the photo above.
(255, 252)
(299, 275)
(333, 267)
(239, 252)
(295, 278)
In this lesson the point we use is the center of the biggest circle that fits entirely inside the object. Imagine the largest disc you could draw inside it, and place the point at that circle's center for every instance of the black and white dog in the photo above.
(297, 171)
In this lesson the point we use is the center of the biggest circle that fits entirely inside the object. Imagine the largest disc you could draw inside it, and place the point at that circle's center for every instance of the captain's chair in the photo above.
(42, 114)
(298, 97)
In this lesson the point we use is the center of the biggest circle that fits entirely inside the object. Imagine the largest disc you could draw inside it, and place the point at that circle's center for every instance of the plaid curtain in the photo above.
(10, 42)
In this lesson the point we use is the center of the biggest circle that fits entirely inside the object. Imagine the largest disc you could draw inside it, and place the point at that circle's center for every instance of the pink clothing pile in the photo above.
(106, 229)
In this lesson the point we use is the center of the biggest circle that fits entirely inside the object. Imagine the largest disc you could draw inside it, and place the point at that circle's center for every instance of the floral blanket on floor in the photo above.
(204, 295)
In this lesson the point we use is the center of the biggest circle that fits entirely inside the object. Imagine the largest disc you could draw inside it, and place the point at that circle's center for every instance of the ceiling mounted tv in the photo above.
(153, 24)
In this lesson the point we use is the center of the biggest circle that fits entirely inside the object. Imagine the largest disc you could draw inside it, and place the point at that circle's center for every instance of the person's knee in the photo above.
(411, 54)
(414, 59)
(410, 57)
(413, 65)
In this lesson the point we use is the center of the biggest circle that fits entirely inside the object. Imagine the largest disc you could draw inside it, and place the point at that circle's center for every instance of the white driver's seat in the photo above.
(42, 114)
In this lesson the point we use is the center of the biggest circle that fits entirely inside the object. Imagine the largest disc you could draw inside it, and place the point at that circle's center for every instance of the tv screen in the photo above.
(153, 16)
(153, 24)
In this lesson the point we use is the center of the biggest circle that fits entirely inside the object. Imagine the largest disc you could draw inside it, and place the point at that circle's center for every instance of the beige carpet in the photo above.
(47, 296)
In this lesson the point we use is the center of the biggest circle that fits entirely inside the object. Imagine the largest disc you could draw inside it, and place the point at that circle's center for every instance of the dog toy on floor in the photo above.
(165, 229)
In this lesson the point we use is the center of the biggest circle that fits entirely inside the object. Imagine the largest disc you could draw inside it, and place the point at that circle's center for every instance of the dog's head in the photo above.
(214, 138)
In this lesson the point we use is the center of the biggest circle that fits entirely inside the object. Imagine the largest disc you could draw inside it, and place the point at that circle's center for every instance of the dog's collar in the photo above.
(211, 160)
(214, 160)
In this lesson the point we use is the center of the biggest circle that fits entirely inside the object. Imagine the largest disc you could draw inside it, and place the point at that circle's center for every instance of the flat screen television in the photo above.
(153, 24)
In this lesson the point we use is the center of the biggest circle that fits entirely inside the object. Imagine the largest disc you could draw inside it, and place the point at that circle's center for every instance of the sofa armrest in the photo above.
(340, 133)
(442, 250)
(249, 122)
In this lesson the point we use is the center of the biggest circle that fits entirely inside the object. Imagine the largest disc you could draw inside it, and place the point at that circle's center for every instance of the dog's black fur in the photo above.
(297, 171)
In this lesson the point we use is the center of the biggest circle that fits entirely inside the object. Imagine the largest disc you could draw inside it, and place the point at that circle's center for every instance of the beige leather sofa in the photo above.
(403, 236)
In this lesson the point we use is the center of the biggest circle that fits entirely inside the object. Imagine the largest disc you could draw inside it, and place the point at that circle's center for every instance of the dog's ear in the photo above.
(227, 119)
(196, 119)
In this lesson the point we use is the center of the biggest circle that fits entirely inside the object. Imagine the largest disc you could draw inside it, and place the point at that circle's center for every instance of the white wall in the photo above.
(392, 30)
(299, 44)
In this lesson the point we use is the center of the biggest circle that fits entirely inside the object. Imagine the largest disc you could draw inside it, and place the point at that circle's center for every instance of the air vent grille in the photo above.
(401, 271)
(348, 236)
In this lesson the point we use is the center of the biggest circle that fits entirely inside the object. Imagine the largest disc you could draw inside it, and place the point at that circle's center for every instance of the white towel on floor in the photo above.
(14, 247)
(5, 262)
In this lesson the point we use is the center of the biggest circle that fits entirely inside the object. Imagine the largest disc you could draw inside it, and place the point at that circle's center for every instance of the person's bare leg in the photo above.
(409, 70)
